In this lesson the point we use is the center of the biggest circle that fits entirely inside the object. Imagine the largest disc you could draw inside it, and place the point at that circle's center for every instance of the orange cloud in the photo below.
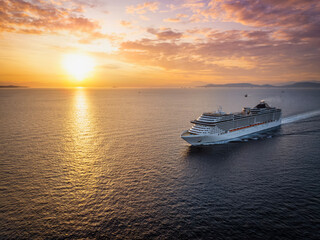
(143, 8)
(246, 53)
(178, 18)
(172, 20)
(126, 23)
(281, 37)
(39, 17)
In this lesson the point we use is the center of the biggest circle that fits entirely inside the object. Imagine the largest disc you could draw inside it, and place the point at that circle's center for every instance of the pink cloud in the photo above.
(267, 13)
(249, 52)
(166, 34)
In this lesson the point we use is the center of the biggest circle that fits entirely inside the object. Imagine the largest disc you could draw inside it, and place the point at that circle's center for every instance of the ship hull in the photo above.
(208, 139)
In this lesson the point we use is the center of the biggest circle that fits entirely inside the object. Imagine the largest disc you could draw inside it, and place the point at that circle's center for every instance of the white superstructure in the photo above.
(216, 127)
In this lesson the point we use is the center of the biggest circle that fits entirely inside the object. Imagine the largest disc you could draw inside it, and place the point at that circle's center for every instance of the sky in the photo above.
(177, 43)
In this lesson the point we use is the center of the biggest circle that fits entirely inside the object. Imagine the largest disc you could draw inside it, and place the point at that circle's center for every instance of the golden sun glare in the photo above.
(78, 65)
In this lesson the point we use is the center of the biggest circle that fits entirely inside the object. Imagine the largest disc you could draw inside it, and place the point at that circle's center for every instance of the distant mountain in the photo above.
(250, 85)
(237, 85)
(12, 86)
(303, 85)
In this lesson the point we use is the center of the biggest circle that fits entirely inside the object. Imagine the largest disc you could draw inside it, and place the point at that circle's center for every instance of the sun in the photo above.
(78, 65)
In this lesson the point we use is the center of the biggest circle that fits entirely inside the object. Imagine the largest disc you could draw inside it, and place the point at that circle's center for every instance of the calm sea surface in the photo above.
(110, 164)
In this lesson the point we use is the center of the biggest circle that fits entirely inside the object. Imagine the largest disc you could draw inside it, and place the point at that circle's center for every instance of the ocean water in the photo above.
(110, 164)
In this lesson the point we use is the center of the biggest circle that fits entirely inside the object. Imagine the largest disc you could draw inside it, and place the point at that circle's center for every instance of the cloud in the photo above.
(267, 13)
(143, 8)
(178, 18)
(144, 18)
(158, 54)
(89, 38)
(126, 23)
(172, 20)
(280, 36)
(246, 52)
(295, 22)
(193, 4)
(291, 20)
(181, 15)
(38, 17)
(166, 34)
(198, 9)
(257, 13)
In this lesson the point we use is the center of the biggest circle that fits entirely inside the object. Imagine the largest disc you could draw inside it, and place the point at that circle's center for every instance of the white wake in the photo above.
(299, 117)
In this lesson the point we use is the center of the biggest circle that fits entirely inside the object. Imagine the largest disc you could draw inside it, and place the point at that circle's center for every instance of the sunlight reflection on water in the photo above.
(80, 153)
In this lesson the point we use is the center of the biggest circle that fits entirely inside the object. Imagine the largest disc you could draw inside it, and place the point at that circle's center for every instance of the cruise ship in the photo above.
(211, 128)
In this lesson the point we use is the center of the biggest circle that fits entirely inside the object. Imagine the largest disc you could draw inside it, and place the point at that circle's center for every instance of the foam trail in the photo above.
(299, 117)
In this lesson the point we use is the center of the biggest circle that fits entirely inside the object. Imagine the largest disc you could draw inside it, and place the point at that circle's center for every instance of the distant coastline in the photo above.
(314, 84)
(250, 85)
(12, 86)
